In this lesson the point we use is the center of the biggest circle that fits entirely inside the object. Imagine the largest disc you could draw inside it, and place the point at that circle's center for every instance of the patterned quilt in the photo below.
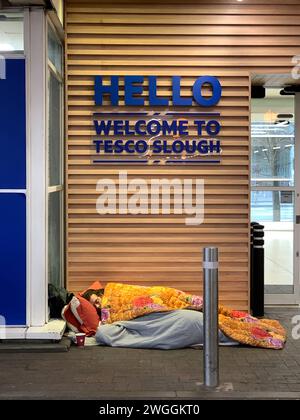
(123, 302)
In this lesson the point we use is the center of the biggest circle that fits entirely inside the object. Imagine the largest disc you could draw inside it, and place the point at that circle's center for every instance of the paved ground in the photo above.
(106, 373)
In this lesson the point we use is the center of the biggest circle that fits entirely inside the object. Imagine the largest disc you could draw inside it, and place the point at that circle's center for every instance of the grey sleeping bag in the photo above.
(163, 330)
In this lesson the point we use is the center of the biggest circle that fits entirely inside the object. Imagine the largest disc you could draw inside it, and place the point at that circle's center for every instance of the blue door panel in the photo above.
(13, 126)
(13, 258)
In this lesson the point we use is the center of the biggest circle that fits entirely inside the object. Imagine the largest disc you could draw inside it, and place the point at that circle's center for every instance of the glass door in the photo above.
(55, 159)
(273, 195)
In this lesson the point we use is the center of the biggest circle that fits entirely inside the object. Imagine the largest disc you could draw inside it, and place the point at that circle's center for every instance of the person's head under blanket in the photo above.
(94, 297)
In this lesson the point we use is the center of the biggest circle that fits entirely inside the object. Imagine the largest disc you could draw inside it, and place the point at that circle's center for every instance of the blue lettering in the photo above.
(178, 146)
(169, 128)
(118, 127)
(166, 148)
(128, 131)
(141, 146)
(138, 127)
(213, 128)
(190, 148)
(157, 147)
(202, 147)
(153, 99)
(127, 146)
(199, 124)
(177, 99)
(102, 128)
(112, 90)
(154, 131)
(119, 146)
(98, 145)
(216, 91)
(183, 128)
(215, 146)
(108, 146)
(132, 89)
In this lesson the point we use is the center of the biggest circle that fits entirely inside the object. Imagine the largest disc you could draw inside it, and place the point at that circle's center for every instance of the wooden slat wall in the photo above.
(189, 38)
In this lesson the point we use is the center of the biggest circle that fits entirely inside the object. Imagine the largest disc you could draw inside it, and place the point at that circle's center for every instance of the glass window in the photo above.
(11, 32)
(272, 206)
(275, 210)
(55, 50)
(55, 129)
(273, 142)
(55, 238)
(273, 170)
(55, 160)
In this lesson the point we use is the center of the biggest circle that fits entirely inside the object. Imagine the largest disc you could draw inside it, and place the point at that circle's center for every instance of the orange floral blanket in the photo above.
(123, 302)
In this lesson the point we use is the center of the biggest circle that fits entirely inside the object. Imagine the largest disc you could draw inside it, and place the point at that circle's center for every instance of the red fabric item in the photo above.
(70, 319)
(96, 285)
(85, 314)
(81, 315)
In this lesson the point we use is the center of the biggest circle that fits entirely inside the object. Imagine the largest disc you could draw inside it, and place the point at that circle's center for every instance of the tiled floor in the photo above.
(279, 258)
(107, 373)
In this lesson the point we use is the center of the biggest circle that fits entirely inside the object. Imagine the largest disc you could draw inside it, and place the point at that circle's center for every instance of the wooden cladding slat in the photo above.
(199, 51)
(232, 82)
(224, 38)
(93, 19)
(184, 9)
(184, 29)
(77, 40)
(178, 61)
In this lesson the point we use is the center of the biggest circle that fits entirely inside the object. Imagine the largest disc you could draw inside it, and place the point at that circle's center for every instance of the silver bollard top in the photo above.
(210, 254)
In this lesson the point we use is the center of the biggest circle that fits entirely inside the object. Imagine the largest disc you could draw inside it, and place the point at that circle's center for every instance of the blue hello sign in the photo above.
(147, 139)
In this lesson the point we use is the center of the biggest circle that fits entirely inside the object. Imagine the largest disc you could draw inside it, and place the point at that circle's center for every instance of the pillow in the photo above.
(96, 285)
(70, 319)
(85, 314)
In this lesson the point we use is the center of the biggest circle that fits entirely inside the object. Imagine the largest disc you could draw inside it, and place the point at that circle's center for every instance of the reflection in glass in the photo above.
(275, 210)
(272, 206)
(54, 131)
(55, 50)
(273, 165)
(273, 142)
(11, 32)
(54, 238)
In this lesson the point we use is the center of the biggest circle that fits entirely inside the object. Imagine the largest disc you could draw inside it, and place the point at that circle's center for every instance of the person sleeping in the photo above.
(167, 318)
(94, 297)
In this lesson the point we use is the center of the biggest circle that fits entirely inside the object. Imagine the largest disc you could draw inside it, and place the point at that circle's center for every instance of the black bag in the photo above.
(58, 297)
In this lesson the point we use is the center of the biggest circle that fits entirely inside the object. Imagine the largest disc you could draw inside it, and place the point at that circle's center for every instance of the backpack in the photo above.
(58, 297)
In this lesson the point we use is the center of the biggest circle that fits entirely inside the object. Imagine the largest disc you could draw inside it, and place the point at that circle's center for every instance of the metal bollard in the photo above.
(210, 312)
